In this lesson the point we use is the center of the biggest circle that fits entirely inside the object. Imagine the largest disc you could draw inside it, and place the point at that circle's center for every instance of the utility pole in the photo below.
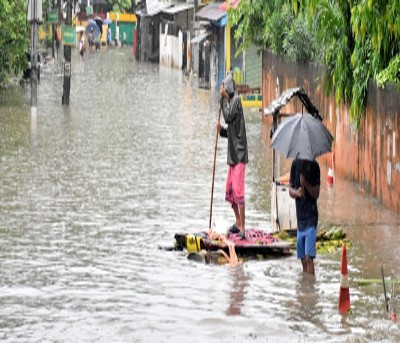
(67, 59)
(33, 16)
(53, 26)
(195, 3)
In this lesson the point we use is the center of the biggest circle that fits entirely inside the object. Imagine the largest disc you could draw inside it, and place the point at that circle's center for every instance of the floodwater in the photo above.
(91, 191)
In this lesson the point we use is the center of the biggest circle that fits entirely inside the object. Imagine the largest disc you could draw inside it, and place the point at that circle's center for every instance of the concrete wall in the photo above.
(369, 156)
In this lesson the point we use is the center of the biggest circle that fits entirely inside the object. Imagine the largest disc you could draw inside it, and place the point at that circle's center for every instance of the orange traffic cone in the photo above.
(330, 172)
(344, 295)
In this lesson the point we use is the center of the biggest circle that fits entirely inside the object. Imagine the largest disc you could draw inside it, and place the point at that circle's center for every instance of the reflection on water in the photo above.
(307, 297)
(306, 312)
(90, 191)
(236, 295)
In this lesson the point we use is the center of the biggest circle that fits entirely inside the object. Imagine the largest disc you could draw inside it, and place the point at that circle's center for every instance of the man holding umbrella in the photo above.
(92, 32)
(303, 137)
(305, 180)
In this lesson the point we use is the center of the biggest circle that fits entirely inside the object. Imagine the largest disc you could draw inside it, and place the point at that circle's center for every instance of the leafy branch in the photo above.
(355, 40)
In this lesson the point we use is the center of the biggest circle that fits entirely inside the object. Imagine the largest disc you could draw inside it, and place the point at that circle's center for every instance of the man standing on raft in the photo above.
(232, 111)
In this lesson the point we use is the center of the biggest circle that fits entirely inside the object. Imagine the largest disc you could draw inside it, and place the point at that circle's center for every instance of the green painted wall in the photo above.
(123, 27)
(128, 28)
(253, 68)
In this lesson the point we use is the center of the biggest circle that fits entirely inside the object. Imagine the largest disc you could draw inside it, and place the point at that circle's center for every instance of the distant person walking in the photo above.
(97, 43)
(91, 41)
(57, 40)
(123, 38)
(305, 180)
(232, 111)
(109, 36)
(82, 46)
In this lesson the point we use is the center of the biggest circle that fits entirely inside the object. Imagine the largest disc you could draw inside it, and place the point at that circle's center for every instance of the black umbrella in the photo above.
(302, 136)
(99, 23)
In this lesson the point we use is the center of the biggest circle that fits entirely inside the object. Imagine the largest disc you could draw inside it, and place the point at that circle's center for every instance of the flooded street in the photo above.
(89, 193)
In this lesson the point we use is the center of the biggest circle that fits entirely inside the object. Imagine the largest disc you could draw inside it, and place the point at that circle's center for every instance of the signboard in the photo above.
(52, 16)
(69, 34)
(89, 10)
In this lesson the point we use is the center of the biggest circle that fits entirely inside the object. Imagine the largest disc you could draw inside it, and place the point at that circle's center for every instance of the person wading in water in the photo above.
(305, 180)
(232, 111)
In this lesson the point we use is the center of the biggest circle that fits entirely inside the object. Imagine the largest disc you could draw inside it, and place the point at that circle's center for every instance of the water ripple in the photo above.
(89, 192)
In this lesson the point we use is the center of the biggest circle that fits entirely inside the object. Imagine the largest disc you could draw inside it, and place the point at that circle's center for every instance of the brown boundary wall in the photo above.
(369, 156)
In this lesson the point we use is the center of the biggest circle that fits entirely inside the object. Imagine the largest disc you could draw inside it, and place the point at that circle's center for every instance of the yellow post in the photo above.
(228, 48)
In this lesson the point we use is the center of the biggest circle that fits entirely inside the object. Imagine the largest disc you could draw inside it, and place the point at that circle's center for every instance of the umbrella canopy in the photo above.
(99, 22)
(91, 22)
(302, 136)
(92, 25)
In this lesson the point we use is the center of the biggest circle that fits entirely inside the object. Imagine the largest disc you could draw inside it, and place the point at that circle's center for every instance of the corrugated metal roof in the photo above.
(200, 37)
(212, 12)
(177, 8)
(285, 97)
(153, 7)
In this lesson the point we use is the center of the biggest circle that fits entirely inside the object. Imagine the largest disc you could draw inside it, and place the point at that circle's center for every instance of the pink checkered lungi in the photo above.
(235, 184)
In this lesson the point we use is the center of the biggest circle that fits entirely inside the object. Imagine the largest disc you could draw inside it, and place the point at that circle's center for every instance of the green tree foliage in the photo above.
(334, 45)
(249, 18)
(376, 30)
(298, 42)
(277, 27)
(121, 6)
(13, 38)
(355, 40)
(391, 73)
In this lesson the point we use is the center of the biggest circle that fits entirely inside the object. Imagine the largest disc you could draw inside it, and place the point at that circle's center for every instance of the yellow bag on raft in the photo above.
(193, 243)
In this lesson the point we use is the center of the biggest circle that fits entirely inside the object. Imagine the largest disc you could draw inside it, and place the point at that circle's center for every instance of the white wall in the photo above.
(213, 67)
(171, 53)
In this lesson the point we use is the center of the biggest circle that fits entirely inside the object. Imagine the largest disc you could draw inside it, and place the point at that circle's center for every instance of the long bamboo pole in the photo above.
(384, 290)
(213, 176)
